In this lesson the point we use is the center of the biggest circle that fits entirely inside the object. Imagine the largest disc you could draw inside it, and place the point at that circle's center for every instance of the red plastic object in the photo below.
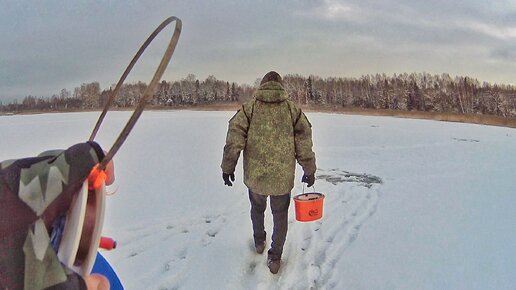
(309, 206)
(107, 243)
(96, 178)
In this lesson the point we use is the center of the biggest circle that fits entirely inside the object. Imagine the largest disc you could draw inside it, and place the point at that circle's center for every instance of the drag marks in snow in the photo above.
(170, 240)
(313, 249)
(311, 252)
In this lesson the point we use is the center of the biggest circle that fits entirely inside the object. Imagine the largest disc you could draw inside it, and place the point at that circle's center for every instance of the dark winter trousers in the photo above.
(279, 207)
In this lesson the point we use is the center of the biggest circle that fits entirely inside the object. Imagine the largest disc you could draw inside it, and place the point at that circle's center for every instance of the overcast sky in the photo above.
(46, 46)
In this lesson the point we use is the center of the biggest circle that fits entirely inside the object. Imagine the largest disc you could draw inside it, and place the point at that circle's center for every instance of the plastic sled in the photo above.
(103, 267)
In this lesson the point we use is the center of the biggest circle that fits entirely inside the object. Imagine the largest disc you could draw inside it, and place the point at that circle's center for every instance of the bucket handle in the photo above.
(313, 186)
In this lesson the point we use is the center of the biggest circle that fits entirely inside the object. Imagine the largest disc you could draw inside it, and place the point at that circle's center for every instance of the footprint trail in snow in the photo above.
(313, 249)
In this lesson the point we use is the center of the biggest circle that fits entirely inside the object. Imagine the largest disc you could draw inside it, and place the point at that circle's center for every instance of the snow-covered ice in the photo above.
(410, 204)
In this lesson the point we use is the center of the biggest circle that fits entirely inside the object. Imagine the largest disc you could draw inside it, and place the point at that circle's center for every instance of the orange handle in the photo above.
(96, 178)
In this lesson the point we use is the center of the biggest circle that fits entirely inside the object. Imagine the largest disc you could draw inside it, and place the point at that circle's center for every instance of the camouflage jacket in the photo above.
(273, 133)
(34, 192)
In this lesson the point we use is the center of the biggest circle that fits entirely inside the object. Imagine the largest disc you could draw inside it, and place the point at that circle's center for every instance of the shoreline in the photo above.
(490, 120)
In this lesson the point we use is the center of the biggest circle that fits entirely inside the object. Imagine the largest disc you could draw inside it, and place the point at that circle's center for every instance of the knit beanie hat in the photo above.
(271, 76)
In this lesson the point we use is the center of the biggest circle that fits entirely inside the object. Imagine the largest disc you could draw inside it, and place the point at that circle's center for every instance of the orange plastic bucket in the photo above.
(309, 206)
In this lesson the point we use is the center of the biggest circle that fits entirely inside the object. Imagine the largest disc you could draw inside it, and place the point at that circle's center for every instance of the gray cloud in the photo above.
(50, 45)
(505, 54)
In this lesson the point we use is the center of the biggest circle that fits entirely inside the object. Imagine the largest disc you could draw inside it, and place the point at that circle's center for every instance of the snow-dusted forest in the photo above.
(407, 92)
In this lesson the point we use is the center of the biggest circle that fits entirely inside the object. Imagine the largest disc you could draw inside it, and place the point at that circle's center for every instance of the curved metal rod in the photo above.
(149, 91)
(130, 67)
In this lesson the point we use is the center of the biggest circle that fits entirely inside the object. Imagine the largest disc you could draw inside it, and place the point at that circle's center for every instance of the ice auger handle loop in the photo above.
(149, 92)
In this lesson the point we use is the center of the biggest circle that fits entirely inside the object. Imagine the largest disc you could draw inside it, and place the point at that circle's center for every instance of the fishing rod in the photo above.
(78, 238)
(149, 91)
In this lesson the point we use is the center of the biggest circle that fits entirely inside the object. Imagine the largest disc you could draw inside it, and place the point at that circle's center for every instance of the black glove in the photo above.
(226, 177)
(308, 179)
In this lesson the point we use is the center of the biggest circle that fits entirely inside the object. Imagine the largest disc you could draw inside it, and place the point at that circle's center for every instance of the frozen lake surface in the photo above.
(410, 204)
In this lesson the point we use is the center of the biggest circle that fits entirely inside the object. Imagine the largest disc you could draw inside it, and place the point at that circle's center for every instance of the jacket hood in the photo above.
(271, 92)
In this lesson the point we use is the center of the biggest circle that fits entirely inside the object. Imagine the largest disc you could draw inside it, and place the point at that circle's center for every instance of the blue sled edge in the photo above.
(103, 267)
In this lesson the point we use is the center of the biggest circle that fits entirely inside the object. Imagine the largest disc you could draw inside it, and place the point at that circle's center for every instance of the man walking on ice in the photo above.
(273, 132)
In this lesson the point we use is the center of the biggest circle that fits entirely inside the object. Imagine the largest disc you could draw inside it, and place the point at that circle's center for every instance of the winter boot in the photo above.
(274, 265)
(260, 247)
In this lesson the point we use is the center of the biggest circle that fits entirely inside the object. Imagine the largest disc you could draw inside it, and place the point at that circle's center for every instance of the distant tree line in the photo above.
(420, 92)
(410, 92)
